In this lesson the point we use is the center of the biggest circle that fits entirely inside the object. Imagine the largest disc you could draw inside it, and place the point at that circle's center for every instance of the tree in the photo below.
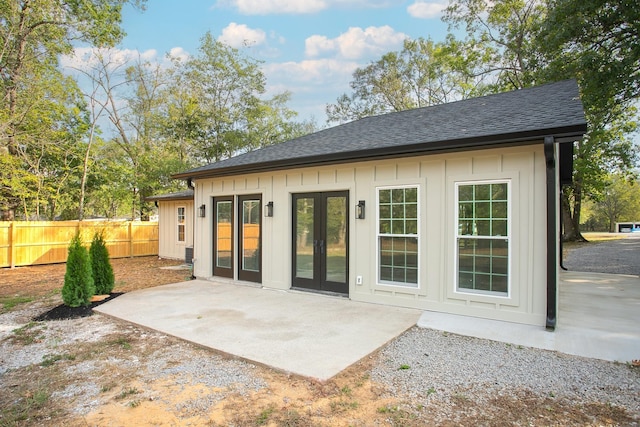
(505, 31)
(216, 105)
(78, 280)
(33, 34)
(101, 269)
(533, 42)
(423, 73)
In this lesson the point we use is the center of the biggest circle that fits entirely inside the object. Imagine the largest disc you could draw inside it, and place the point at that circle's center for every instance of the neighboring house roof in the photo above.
(179, 195)
(506, 118)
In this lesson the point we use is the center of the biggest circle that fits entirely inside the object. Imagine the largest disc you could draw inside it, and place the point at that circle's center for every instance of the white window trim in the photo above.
(509, 237)
(183, 224)
(400, 285)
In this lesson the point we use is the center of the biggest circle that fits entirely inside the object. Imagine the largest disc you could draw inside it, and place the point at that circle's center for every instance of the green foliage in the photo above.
(78, 279)
(423, 73)
(9, 303)
(103, 278)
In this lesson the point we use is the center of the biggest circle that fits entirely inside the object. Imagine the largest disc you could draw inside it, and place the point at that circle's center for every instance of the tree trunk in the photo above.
(571, 217)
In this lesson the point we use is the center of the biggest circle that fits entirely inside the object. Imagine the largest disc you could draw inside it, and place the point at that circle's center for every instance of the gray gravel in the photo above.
(613, 257)
(429, 365)
(439, 367)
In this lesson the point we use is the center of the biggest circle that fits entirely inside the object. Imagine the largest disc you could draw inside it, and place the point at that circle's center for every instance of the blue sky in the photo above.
(308, 47)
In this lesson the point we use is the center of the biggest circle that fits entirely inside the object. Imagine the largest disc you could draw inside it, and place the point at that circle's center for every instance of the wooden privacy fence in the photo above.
(46, 242)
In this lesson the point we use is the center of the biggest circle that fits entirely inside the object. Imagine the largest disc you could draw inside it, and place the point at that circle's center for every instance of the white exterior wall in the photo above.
(169, 247)
(436, 176)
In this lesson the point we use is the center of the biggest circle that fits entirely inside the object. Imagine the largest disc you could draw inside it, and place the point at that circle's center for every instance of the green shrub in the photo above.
(103, 278)
(78, 279)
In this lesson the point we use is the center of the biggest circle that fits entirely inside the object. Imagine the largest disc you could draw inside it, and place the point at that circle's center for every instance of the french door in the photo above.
(320, 241)
(247, 235)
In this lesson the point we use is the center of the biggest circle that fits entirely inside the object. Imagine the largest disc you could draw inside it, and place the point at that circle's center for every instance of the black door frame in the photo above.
(222, 271)
(247, 275)
(318, 283)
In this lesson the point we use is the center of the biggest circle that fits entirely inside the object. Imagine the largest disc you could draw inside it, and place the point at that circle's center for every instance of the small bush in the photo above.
(78, 279)
(103, 278)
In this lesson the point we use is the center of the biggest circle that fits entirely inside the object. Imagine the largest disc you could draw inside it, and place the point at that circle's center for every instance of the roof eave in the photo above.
(564, 134)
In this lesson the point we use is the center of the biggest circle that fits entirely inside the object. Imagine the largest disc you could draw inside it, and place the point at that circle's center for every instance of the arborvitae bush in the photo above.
(103, 278)
(78, 280)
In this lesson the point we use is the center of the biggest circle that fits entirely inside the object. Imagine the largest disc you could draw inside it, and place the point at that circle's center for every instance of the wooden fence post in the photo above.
(12, 244)
(130, 239)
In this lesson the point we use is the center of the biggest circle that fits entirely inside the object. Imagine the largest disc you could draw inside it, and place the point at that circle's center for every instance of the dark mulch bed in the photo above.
(63, 312)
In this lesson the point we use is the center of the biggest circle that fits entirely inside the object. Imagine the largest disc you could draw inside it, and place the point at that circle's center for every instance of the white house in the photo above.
(175, 224)
(451, 208)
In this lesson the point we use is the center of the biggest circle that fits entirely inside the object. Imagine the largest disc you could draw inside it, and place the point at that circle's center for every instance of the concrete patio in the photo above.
(307, 334)
(318, 336)
(598, 317)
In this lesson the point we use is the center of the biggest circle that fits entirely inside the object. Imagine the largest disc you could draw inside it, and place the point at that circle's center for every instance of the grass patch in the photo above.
(126, 393)
(9, 303)
(265, 414)
(50, 359)
(28, 334)
(24, 408)
(121, 342)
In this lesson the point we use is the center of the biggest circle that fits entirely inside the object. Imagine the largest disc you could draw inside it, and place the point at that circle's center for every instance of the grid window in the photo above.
(398, 252)
(181, 224)
(483, 237)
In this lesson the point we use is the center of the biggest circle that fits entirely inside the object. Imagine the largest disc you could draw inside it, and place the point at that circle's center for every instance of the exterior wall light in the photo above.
(202, 211)
(360, 210)
(268, 210)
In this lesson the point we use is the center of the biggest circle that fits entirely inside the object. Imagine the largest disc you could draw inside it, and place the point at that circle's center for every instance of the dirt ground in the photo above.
(98, 371)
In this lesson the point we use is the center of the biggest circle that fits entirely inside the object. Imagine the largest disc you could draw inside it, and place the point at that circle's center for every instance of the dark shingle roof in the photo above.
(505, 118)
(178, 195)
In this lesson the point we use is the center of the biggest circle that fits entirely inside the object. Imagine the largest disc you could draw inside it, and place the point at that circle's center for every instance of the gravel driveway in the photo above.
(614, 257)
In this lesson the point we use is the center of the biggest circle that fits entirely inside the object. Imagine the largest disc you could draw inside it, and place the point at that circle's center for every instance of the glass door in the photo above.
(223, 236)
(250, 238)
(320, 241)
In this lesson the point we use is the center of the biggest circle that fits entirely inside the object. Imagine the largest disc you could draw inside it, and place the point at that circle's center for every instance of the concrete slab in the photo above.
(598, 317)
(307, 334)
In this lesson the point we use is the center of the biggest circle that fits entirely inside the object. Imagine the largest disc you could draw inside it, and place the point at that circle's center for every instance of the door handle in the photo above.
(322, 246)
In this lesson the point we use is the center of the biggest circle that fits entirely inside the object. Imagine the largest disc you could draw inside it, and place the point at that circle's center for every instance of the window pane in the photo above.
(482, 192)
(499, 210)
(251, 235)
(385, 196)
(411, 210)
(304, 238)
(411, 195)
(385, 211)
(223, 232)
(483, 210)
(398, 256)
(465, 193)
(499, 191)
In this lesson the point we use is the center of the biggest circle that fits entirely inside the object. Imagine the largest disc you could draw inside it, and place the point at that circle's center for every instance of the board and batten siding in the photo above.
(169, 246)
(435, 176)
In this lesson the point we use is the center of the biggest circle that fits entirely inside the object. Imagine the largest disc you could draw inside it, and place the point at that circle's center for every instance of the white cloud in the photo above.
(85, 58)
(178, 53)
(265, 7)
(299, 7)
(239, 35)
(356, 42)
(317, 72)
(424, 10)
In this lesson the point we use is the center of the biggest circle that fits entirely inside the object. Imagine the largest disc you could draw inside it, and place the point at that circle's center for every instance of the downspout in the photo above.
(552, 232)
(193, 227)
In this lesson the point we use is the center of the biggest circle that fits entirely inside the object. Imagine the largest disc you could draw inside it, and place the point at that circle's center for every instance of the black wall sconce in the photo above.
(268, 209)
(360, 210)
(202, 211)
